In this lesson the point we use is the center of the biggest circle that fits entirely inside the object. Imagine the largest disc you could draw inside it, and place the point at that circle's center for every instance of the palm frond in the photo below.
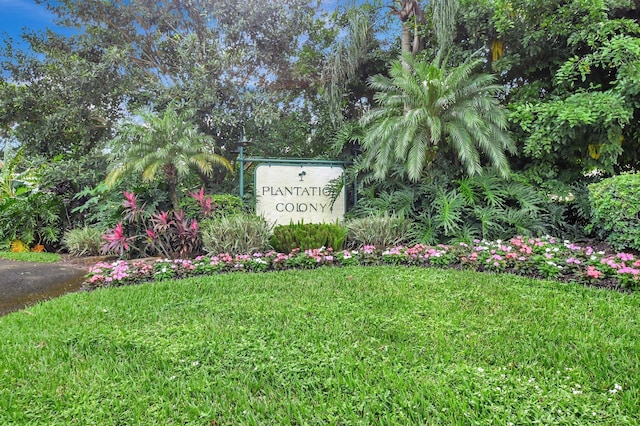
(423, 105)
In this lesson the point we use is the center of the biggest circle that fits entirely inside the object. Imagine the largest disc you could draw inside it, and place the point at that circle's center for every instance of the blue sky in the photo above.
(16, 15)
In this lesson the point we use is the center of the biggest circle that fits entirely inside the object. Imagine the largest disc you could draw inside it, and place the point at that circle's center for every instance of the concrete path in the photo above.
(25, 283)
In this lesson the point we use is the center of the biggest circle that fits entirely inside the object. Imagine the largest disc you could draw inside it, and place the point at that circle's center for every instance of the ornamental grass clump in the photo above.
(381, 231)
(86, 241)
(236, 234)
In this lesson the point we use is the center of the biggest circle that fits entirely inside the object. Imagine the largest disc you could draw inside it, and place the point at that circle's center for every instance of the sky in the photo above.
(16, 15)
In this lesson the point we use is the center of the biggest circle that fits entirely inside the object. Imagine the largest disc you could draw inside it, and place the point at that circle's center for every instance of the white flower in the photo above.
(616, 388)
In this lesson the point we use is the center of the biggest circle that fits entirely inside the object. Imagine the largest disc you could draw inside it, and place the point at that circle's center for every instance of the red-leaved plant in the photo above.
(206, 208)
(116, 240)
(169, 234)
(174, 236)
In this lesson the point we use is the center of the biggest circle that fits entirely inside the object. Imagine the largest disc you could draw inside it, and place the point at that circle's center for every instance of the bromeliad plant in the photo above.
(168, 234)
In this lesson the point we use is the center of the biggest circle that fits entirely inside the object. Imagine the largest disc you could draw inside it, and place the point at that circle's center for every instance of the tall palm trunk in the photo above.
(171, 174)
(411, 15)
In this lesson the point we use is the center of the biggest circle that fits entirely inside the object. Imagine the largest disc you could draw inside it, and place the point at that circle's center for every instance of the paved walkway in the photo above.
(25, 283)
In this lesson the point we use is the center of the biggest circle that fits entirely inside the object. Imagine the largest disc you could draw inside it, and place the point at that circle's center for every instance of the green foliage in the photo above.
(305, 236)
(226, 205)
(69, 94)
(488, 207)
(67, 176)
(581, 132)
(235, 234)
(427, 107)
(615, 207)
(101, 205)
(31, 256)
(380, 230)
(581, 112)
(170, 144)
(482, 206)
(14, 179)
(85, 241)
(33, 219)
(149, 53)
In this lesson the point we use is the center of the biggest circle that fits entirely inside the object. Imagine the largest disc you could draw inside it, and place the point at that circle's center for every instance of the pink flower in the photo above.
(592, 272)
(628, 270)
(625, 256)
(368, 249)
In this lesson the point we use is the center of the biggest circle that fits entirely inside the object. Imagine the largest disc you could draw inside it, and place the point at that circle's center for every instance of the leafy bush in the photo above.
(615, 210)
(174, 236)
(482, 206)
(235, 234)
(85, 241)
(380, 231)
(216, 205)
(102, 205)
(308, 236)
(32, 218)
(170, 234)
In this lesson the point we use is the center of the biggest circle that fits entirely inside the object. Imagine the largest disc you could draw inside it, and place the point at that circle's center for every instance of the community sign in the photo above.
(286, 193)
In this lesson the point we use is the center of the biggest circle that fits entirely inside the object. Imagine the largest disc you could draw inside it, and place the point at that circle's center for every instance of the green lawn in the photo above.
(31, 256)
(375, 345)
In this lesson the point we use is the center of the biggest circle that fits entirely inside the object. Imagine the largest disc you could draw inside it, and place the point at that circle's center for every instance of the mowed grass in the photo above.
(31, 256)
(376, 345)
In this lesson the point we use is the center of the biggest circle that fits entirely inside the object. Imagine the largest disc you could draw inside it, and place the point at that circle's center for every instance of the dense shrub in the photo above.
(478, 207)
(235, 234)
(220, 204)
(305, 236)
(379, 230)
(34, 218)
(85, 241)
(167, 233)
(615, 210)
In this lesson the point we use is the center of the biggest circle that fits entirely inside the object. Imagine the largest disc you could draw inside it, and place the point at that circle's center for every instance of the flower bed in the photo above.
(537, 257)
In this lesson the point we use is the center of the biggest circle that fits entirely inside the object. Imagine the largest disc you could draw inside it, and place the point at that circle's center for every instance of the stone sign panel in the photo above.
(286, 193)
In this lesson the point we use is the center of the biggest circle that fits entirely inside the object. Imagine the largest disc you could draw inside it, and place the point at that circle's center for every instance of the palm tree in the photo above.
(169, 143)
(423, 106)
(412, 17)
